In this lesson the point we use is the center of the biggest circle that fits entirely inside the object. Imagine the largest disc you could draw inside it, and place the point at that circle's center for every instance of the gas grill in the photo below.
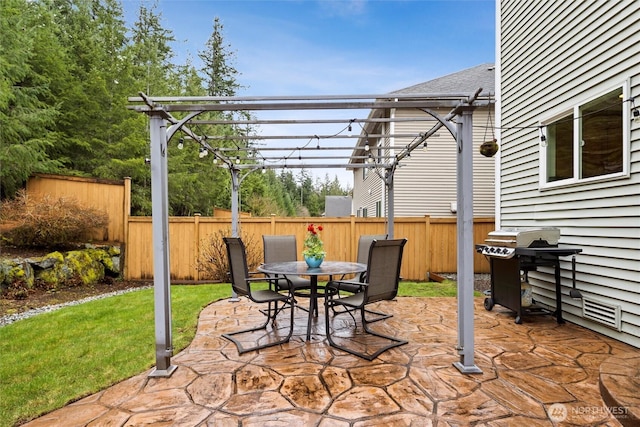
(512, 254)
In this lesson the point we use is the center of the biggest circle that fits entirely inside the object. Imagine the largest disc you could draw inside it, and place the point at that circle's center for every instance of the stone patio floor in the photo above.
(538, 373)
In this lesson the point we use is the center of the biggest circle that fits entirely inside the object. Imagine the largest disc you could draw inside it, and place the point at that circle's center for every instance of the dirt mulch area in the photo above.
(41, 298)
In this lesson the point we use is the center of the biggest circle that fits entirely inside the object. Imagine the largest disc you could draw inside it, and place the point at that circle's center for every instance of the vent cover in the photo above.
(602, 312)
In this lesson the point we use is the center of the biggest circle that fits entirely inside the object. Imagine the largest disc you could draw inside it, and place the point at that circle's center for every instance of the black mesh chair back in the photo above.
(237, 265)
(383, 269)
(283, 248)
(279, 248)
(364, 243)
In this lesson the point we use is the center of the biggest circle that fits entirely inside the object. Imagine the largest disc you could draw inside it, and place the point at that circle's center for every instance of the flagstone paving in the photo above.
(537, 373)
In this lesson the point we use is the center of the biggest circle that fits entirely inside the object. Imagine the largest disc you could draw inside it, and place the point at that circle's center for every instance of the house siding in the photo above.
(587, 48)
(433, 172)
(371, 189)
(426, 182)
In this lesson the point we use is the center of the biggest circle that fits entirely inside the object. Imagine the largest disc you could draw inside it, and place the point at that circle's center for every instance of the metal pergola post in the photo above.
(160, 225)
(388, 180)
(235, 213)
(465, 274)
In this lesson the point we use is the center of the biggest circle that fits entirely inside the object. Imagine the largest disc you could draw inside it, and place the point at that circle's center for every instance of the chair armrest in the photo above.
(338, 285)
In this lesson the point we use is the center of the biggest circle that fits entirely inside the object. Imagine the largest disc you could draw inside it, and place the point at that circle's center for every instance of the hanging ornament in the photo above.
(489, 148)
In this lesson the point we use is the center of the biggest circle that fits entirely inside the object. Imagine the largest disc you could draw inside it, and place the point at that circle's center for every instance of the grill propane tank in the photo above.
(526, 293)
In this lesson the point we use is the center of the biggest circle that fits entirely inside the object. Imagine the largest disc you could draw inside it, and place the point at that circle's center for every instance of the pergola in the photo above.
(282, 149)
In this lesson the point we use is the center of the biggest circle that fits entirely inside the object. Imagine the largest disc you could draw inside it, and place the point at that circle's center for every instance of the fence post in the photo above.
(196, 235)
(353, 238)
(427, 248)
(126, 213)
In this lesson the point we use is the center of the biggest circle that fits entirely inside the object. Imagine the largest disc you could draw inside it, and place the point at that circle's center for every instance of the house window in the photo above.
(586, 143)
(365, 212)
(379, 208)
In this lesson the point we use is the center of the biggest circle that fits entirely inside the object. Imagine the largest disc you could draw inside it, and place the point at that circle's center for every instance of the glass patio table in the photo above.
(300, 268)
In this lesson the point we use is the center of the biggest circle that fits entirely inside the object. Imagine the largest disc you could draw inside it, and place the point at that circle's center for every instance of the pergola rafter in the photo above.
(377, 148)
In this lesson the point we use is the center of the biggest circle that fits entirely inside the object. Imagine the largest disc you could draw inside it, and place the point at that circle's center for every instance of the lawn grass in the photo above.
(54, 358)
(51, 359)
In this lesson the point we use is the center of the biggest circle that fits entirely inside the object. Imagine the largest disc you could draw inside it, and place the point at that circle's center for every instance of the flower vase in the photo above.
(313, 262)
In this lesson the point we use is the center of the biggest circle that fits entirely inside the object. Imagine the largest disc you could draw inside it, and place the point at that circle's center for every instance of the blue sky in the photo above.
(330, 47)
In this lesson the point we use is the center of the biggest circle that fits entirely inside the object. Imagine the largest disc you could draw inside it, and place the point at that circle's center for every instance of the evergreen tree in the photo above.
(26, 120)
(151, 52)
(220, 73)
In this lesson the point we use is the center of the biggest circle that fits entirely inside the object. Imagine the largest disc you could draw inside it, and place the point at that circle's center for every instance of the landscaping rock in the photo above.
(16, 271)
(56, 270)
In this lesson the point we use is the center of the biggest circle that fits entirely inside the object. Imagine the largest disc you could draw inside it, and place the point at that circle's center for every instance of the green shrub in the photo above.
(45, 222)
(213, 263)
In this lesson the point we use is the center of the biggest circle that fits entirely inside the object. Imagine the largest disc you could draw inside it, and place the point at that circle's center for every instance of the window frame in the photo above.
(573, 111)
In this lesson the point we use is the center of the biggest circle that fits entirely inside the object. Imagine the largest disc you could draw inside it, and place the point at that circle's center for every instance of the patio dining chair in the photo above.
(381, 284)
(353, 286)
(241, 282)
(283, 248)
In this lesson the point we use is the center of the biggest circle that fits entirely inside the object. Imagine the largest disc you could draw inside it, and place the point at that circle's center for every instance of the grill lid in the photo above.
(524, 237)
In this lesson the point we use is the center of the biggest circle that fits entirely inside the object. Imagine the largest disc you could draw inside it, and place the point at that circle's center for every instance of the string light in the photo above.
(543, 138)
(180, 143)
(203, 152)
(634, 110)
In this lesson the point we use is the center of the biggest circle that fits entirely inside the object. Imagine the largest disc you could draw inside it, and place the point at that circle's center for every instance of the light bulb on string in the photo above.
(180, 143)
(203, 152)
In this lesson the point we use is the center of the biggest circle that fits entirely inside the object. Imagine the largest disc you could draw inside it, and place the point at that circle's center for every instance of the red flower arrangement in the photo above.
(313, 246)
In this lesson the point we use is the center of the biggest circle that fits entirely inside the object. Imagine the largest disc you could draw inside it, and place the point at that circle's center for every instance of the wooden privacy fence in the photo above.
(431, 245)
(111, 196)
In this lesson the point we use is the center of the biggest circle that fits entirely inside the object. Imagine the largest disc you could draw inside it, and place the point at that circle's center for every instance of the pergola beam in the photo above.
(309, 137)
(310, 121)
(214, 99)
(353, 105)
(253, 148)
